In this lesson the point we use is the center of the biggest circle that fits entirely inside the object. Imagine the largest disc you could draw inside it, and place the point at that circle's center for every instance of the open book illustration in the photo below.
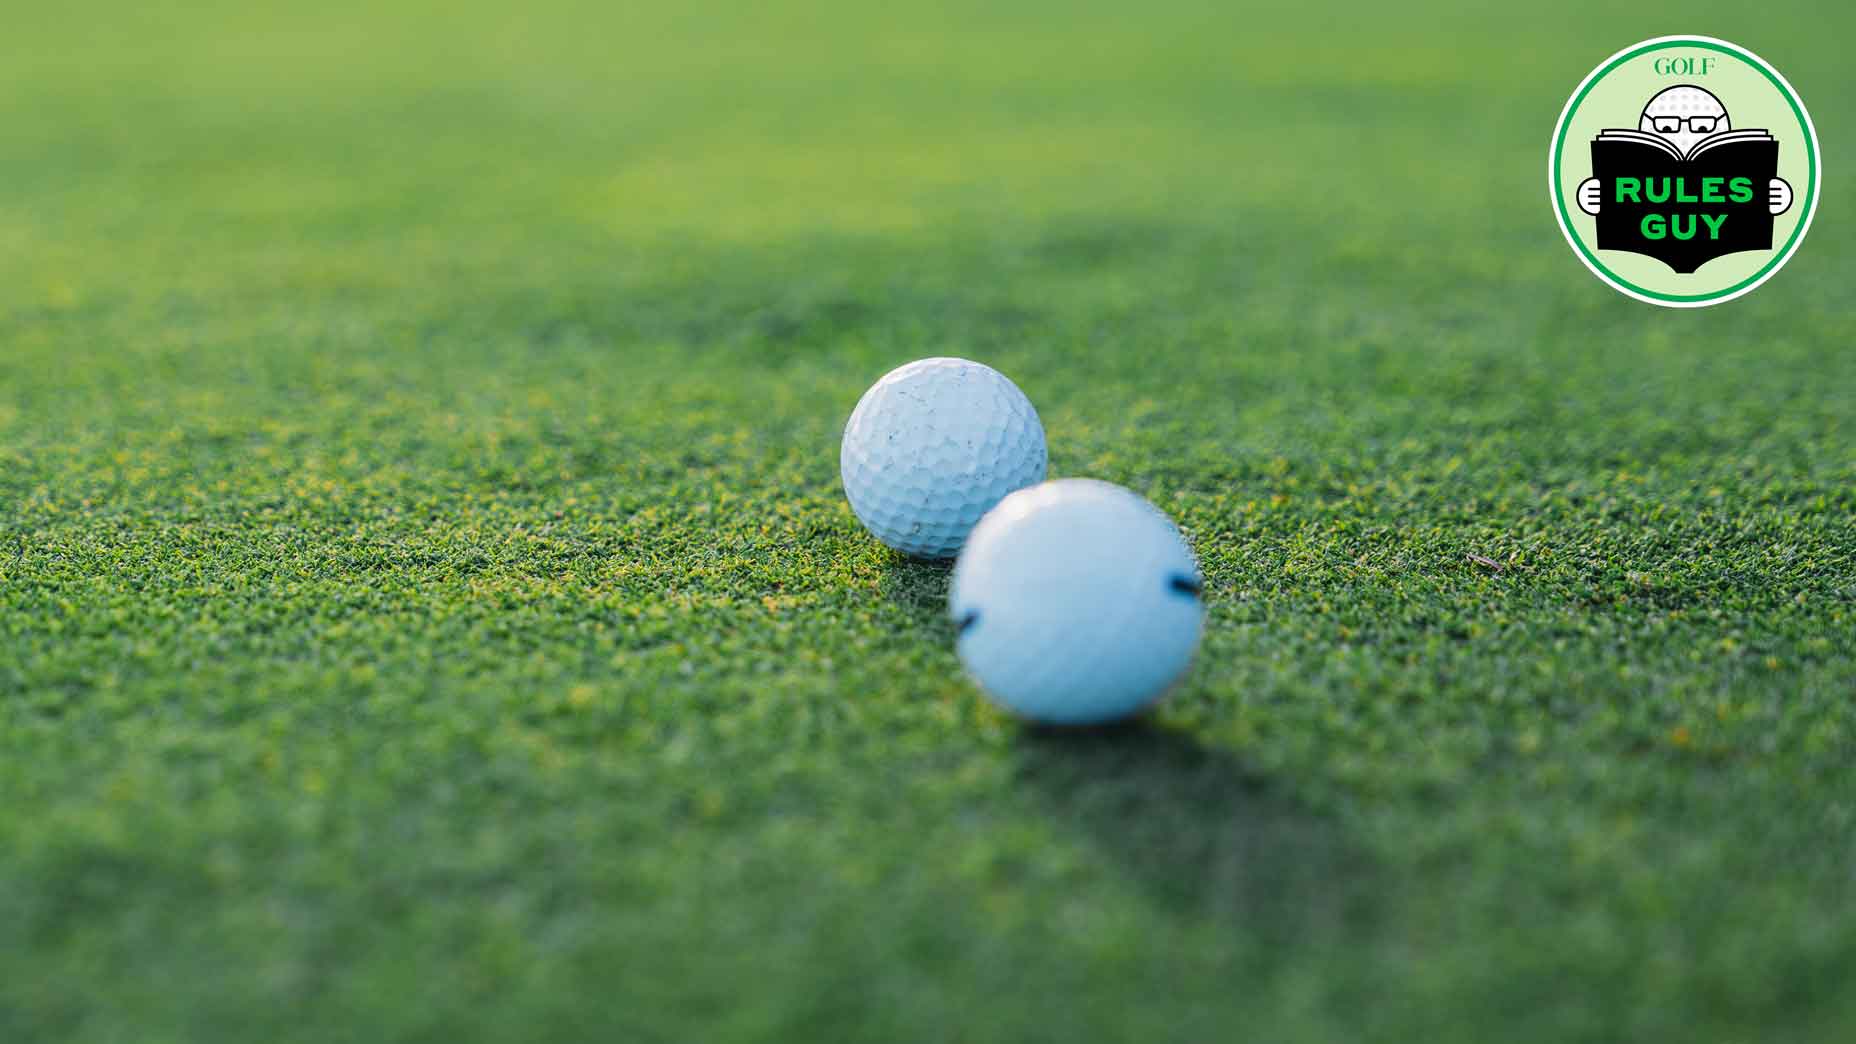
(1684, 210)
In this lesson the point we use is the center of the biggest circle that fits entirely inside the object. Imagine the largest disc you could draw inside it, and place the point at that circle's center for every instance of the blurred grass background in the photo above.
(427, 609)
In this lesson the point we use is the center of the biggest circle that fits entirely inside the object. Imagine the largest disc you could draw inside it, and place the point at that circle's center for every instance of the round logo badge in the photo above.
(1684, 171)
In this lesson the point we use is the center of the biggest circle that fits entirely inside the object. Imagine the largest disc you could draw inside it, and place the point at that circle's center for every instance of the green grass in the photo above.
(428, 610)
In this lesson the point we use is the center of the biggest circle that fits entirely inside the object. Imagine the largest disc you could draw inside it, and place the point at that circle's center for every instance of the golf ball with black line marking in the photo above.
(1077, 603)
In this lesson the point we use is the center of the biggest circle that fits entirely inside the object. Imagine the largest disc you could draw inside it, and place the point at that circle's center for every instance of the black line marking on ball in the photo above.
(968, 619)
(1186, 585)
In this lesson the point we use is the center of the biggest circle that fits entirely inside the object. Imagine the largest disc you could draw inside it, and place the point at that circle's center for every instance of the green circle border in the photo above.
(1791, 99)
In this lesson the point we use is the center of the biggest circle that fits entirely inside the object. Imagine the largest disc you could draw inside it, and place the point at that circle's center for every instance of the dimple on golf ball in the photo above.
(932, 447)
(1077, 603)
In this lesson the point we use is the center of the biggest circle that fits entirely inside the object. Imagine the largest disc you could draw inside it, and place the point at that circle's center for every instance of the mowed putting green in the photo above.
(428, 610)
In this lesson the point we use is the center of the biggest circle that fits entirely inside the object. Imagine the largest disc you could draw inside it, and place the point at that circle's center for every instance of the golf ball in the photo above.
(932, 447)
(1077, 603)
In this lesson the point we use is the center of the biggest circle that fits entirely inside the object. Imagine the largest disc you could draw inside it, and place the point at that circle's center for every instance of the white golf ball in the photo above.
(932, 447)
(1078, 603)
